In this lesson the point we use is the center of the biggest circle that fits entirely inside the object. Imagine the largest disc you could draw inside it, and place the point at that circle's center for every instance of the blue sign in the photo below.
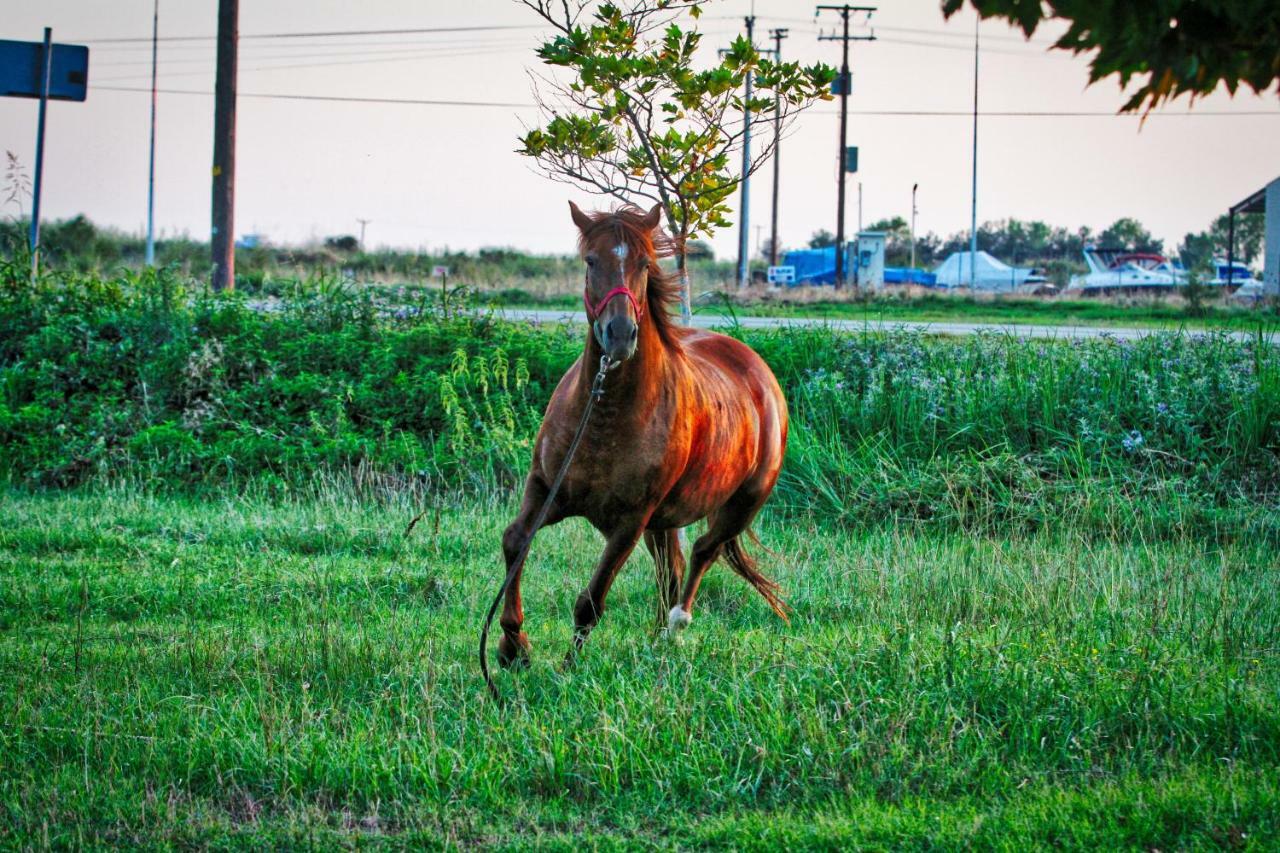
(22, 67)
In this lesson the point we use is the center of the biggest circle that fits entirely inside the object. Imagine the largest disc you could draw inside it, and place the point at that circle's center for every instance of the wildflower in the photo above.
(1132, 442)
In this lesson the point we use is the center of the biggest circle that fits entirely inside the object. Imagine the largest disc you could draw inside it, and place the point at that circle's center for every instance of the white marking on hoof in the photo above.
(678, 620)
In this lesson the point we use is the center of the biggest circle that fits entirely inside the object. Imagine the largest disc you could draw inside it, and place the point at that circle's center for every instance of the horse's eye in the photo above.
(644, 263)
(591, 262)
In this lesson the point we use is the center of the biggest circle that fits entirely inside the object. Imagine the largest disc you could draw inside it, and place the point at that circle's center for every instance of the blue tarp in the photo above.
(818, 266)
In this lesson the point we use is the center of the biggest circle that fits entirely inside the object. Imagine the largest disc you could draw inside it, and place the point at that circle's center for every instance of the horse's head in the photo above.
(618, 250)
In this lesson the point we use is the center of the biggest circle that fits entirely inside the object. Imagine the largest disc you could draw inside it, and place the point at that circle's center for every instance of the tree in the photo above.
(1199, 249)
(342, 243)
(644, 116)
(1128, 233)
(821, 239)
(1181, 46)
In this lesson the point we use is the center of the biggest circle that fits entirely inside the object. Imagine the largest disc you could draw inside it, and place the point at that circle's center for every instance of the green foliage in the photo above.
(1199, 249)
(132, 377)
(1175, 47)
(643, 116)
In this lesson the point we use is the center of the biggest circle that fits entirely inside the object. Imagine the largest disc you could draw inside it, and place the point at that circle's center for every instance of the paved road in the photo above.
(707, 321)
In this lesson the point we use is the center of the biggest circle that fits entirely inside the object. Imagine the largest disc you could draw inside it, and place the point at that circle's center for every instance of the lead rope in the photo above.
(597, 391)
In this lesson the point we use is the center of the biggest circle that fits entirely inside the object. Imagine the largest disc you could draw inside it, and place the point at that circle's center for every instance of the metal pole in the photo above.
(744, 235)
(363, 223)
(914, 187)
(151, 170)
(1231, 247)
(46, 61)
(841, 272)
(778, 36)
(224, 148)
(973, 211)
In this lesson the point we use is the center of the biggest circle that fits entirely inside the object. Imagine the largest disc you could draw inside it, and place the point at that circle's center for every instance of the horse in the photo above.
(691, 425)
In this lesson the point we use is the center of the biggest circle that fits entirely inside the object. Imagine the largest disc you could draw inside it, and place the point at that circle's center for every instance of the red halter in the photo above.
(622, 290)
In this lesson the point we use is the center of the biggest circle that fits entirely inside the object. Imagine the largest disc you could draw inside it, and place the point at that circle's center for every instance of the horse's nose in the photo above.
(620, 335)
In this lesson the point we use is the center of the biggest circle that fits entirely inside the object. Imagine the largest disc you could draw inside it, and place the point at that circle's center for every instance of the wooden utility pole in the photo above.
(744, 227)
(224, 148)
(778, 35)
(845, 84)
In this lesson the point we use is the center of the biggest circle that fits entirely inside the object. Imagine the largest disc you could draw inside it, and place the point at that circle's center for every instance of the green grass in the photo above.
(242, 672)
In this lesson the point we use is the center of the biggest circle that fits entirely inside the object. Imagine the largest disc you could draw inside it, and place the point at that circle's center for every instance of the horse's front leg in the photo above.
(590, 604)
(513, 648)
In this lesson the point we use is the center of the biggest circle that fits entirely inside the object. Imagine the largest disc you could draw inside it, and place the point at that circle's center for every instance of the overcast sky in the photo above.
(436, 176)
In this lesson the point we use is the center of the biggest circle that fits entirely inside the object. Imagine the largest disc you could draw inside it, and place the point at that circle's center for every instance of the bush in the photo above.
(138, 376)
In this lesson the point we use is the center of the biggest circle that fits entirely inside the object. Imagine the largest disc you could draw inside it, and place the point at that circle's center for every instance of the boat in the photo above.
(1113, 270)
(1236, 277)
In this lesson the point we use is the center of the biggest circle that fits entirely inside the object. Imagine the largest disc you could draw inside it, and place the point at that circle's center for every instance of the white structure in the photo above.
(869, 260)
(1119, 269)
(1267, 202)
(983, 272)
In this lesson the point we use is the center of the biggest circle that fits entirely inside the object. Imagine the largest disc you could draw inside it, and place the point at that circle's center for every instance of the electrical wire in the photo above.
(873, 113)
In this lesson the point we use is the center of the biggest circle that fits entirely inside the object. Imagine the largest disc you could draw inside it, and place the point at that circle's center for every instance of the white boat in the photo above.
(1116, 270)
(1238, 277)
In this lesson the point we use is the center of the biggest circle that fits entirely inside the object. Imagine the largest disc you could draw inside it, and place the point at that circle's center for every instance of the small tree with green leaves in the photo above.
(638, 116)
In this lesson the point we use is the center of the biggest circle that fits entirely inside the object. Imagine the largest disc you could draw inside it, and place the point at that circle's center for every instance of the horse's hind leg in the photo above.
(722, 537)
(668, 563)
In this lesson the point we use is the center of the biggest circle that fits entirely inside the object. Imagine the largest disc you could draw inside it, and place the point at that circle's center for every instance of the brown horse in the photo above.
(691, 425)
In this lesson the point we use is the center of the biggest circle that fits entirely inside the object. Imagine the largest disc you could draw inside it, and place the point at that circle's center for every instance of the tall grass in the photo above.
(136, 378)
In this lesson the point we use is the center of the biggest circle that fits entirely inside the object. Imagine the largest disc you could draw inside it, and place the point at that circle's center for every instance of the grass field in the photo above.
(238, 671)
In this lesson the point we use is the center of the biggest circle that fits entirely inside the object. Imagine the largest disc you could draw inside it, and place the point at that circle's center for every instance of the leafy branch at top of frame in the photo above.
(1173, 47)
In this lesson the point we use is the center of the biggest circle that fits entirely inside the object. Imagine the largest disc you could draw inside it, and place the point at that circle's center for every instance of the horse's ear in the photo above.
(652, 218)
(579, 218)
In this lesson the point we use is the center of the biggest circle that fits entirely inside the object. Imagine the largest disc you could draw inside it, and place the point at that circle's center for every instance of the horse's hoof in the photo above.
(678, 620)
(513, 653)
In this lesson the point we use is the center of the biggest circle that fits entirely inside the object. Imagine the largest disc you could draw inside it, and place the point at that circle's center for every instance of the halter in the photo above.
(622, 290)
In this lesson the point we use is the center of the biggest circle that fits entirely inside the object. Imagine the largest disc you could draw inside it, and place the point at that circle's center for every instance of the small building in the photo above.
(1267, 202)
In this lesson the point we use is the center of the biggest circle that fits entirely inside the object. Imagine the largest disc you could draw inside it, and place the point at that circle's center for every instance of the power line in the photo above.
(335, 98)
(875, 113)
(414, 57)
(328, 34)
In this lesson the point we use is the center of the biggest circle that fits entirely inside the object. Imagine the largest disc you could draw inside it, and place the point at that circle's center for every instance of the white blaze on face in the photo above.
(620, 251)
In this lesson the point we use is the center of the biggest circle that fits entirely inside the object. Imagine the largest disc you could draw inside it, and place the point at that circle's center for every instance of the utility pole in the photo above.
(914, 187)
(778, 35)
(363, 223)
(845, 12)
(744, 232)
(151, 168)
(973, 210)
(46, 73)
(224, 148)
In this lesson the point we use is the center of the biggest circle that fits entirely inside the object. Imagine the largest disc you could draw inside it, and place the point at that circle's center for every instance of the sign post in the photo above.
(46, 71)
(443, 273)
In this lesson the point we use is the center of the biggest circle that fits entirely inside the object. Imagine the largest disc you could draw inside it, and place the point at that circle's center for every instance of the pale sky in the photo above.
(436, 176)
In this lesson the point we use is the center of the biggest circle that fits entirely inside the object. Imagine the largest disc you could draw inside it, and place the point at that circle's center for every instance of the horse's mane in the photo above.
(626, 224)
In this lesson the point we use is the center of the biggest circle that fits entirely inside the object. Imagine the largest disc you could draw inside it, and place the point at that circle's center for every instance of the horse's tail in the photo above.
(742, 563)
